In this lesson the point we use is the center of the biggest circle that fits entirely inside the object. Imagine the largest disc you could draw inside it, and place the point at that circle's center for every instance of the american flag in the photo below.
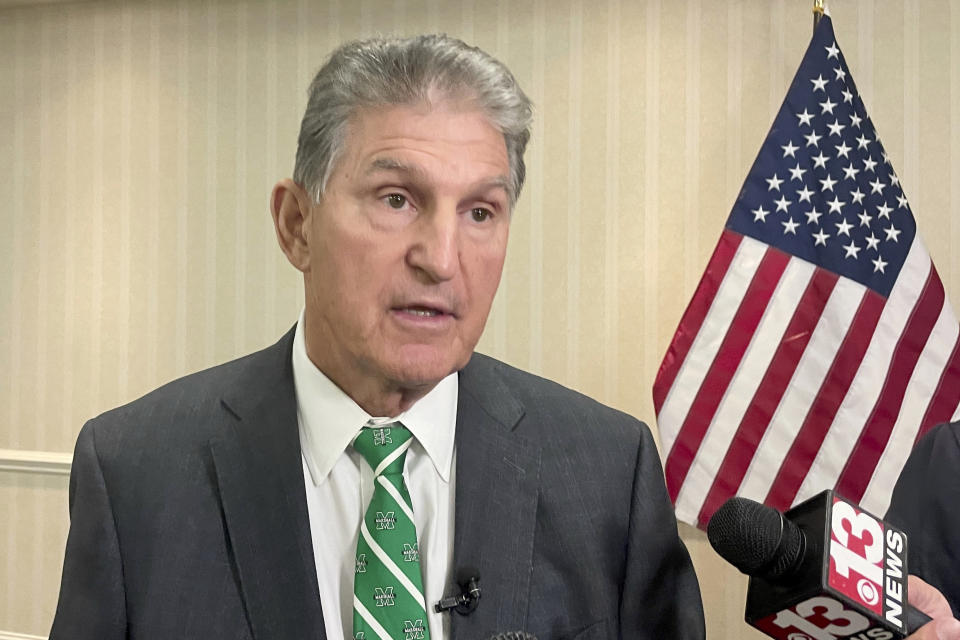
(819, 344)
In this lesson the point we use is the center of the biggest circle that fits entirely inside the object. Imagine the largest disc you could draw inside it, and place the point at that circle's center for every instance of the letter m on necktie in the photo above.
(413, 629)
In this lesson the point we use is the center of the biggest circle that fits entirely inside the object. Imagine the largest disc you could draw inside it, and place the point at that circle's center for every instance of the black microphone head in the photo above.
(514, 635)
(756, 539)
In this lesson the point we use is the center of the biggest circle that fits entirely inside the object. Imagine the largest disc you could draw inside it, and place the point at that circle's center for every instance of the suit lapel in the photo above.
(260, 477)
(498, 476)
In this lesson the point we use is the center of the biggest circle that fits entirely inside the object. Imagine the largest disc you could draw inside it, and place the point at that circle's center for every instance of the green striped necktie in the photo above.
(388, 601)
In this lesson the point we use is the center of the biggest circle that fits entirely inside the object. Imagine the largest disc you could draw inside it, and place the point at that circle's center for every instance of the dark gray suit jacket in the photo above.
(189, 517)
(925, 504)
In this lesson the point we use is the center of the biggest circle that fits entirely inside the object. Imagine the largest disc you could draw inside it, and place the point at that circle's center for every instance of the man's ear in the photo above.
(290, 205)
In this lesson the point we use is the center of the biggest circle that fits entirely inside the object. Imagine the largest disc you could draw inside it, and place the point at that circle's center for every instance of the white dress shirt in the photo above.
(339, 485)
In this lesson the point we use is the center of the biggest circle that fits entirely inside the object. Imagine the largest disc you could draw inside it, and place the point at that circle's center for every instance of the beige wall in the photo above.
(139, 142)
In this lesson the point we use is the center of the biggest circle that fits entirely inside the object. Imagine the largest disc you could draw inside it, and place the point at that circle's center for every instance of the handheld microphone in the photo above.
(468, 599)
(824, 570)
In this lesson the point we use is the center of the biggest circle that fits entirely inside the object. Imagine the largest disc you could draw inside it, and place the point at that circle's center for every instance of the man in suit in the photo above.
(247, 501)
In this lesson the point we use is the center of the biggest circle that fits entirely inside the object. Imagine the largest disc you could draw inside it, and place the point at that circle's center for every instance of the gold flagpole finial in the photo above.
(817, 12)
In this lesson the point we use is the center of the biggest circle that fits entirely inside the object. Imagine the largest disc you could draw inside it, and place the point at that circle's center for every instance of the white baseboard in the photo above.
(48, 462)
(10, 635)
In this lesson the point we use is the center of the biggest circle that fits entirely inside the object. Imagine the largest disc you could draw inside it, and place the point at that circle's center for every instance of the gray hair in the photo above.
(403, 71)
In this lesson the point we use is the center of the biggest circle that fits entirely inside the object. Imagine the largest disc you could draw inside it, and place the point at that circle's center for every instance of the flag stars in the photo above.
(789, 149)
(804, 194)
(872, 242)
(836, 205)
(902, 201)
(840, 73)
(813, 216)
(877, 186)
(813, 140)
(862, 142)
(894, 179)
(847, 98)
(857, 196)
(852, 250)
(836, 128)
(827, 183)
(850, 173)
(833, 51)
(805, 118)
(760, 214)
(782, 203)
(892, 233)
(878, 264)
(884, 211)
(855, 120)
(843, 150)
(865, 219)
(886, 158)
(819, 84)
(774, 183)
(820, 238)
(819, 161)
(797, 173)
(843, 227)
(827, 107)
(790, 226)
(869, 164)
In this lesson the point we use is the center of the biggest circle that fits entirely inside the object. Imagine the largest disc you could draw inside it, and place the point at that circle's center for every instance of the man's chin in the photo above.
(423, 368)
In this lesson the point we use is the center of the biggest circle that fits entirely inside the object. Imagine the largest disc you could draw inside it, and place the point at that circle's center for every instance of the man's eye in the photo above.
(396, 201)
(479, 214)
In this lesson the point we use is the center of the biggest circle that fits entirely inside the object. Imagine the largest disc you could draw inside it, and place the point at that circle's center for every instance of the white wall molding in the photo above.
(10, 635)
(48, 462)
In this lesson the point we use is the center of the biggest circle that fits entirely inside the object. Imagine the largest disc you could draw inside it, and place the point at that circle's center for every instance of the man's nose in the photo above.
(435, 251)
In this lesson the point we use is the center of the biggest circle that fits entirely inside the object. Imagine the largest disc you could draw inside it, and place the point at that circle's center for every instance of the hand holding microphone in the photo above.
(927, 599)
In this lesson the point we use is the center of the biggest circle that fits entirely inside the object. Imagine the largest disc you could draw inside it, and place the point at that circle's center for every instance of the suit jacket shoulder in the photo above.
(554, 405)
(188, 410)
(188, 513)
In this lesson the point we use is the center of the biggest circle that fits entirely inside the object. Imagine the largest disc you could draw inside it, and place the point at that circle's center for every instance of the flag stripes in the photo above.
(731, 287)
(804, 387)
(923, 385)
(772, 386)
(873, 438)
(743, 383)
(757, 420)
(947, 396)
(693, 318)
(821, 414)
(731, 351)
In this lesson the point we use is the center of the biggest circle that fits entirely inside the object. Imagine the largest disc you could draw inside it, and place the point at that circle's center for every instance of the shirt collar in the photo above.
(328, 418)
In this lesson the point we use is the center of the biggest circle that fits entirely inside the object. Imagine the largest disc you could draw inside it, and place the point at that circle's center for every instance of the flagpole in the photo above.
(817, 12)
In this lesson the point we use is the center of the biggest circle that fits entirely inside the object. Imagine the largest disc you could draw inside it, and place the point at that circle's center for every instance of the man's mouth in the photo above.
(424, 310)
(424, 313)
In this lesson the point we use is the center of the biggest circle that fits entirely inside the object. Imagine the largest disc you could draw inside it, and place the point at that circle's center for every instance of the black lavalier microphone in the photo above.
(468, 599)
(514, 635)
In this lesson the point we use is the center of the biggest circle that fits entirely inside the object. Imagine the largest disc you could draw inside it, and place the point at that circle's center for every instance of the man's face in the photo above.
(407, 246)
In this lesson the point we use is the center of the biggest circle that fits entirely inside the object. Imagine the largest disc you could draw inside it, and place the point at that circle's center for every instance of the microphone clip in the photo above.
(466, 601)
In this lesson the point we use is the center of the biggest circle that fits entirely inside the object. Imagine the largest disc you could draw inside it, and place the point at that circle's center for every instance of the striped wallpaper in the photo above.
(139, 142)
